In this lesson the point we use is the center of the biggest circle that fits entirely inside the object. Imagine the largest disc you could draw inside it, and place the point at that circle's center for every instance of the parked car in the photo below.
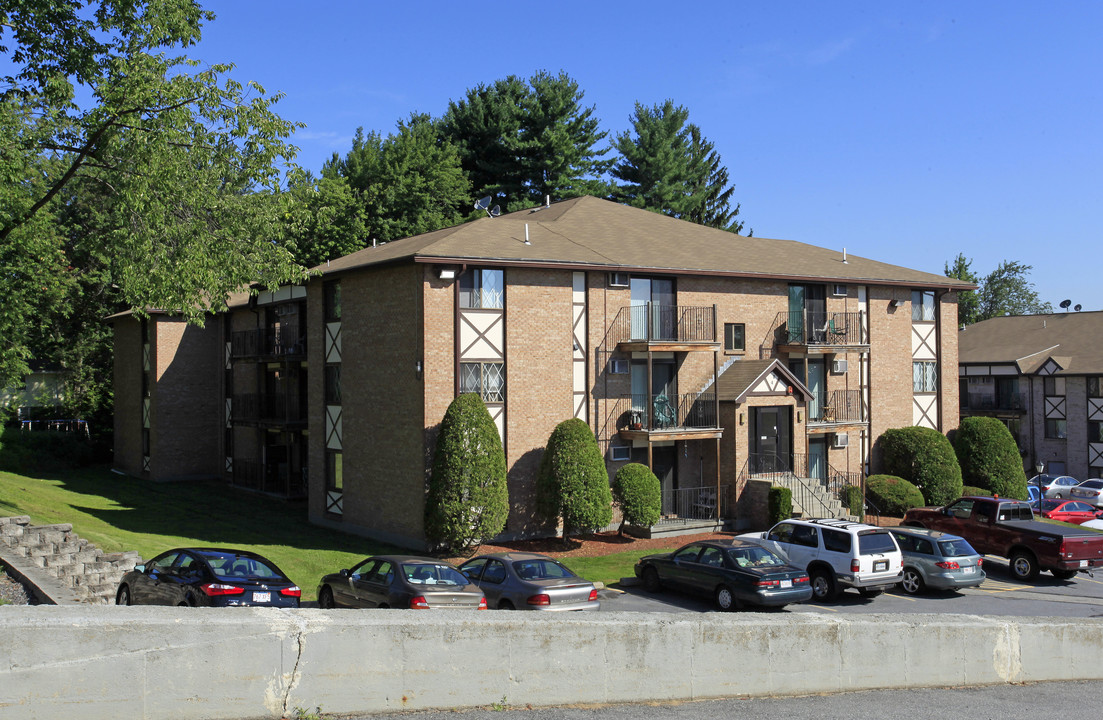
(1070, 511)
(208, 577)
(527, 581)
(837, 554)
(1054, 486)
(400, 581)
(734, 572)
(936, 560)
(1034, 493)
(1090, 491)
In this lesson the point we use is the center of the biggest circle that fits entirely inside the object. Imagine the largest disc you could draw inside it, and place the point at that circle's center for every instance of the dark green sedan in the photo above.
(733, 572)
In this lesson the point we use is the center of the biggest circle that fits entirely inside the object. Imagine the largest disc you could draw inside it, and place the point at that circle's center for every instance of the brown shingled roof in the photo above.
(588, 232)
(742, 375)
(1074, 340)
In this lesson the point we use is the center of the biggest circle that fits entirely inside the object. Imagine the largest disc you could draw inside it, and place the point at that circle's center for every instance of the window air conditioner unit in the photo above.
(621, 453)
(618, 279)
(838, 366)
(618, 366)
(840, 440)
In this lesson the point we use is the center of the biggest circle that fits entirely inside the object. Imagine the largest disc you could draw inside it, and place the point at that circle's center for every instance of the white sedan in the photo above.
(1089, 491)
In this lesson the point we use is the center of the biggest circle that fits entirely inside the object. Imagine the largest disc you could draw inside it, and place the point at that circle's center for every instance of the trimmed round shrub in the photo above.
(468, 500)
(779, 504)
(639, 494)
(573, 483)
(989, 457)
(925, 458)
(970, 490)
(892, 495)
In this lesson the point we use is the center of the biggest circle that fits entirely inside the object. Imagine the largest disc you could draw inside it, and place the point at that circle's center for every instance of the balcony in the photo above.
(682, 417)
(274, 478)
(279, 409)
(669, 328)
(839, 407)
(1013, 403)
(820, 332)
(284, 341)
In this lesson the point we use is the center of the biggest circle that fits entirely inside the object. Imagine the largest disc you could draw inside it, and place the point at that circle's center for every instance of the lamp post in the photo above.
(1039, 466)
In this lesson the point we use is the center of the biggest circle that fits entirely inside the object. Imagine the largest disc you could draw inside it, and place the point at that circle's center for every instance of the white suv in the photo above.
(838, 554)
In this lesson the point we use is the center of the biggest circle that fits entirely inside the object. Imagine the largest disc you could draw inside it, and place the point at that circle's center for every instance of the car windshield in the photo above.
(955, 548)
(1093, 484)
(1048, 505)
(871, 542)
(427, 574)
(231, 565)
(541, 570)
(754, 557)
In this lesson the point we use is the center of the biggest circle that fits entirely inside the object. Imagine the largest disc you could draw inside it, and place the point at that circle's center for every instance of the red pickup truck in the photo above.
(996, 526)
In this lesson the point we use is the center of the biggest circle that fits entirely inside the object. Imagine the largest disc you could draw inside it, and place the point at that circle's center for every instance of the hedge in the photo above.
(779, 504)
(925, 458)
(893, 495)
(989, 457)
(573, 483)
(639, 494)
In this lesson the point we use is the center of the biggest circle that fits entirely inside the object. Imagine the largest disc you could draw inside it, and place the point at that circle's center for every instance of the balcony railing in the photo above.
(282, 341)
(664, 323)
(839, 406)
(804, 327)
(807, 477)
(682, 412)
(275, 478)
(699, 503)
(280, 408)
(983, 401)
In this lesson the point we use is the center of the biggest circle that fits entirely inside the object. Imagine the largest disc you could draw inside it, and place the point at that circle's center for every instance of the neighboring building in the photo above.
(39, 395)
(1042, 376)
(710, 357)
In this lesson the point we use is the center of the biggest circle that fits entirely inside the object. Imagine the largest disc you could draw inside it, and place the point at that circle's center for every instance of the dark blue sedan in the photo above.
(733, 572)
(208, 577)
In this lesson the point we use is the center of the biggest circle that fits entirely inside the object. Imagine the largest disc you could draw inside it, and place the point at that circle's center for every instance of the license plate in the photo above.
(880, 565)
(787, 583)
(968, 569)
(1083, 563)
(262, 597)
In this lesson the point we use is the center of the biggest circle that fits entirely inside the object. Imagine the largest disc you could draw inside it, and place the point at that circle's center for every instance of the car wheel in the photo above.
(912, 583)
(506, 605)
(123, 598)
(325, 598)
(1064, 574)
(1058, 496)
(1023, 566)
(823, 584)
(182, 603)
(651, 581)
(870, 592)
(725, 600)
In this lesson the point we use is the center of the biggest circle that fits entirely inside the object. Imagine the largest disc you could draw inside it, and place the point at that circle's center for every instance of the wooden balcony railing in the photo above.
(664, 323)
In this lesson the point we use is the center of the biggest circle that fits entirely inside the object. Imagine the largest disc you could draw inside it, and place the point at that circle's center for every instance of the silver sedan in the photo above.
(527, 581)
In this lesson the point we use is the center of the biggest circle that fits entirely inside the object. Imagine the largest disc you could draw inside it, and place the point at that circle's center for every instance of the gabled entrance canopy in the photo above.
(747, 378)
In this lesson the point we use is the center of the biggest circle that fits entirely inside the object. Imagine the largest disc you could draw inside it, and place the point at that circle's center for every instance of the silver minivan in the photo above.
(936, 560)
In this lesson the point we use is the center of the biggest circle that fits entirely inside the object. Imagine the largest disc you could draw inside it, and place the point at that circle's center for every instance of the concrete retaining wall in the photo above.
(207, 663)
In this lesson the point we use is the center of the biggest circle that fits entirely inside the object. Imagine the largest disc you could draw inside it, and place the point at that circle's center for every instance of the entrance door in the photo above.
(654, 298)
(663, 465)
(772, 429)
(817, 458)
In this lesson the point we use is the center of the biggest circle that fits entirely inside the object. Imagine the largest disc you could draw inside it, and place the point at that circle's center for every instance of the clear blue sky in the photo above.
(903, 131)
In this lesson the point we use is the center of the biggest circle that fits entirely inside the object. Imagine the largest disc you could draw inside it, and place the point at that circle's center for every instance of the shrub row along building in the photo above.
(710, 357)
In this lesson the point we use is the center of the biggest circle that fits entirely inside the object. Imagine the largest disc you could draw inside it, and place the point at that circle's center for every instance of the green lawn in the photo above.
(119, 513)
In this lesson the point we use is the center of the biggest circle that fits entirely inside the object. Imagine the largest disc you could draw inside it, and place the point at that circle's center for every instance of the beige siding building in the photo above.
(713, 358)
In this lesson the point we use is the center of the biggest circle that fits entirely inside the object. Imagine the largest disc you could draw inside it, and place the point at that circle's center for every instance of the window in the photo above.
(1095, 386)
(495, 572)
(1055, 429)
(1054, 386)
(621, 453)
(333, 384)
(486, 379)
(1095, 433)
(924, 376)
(734, 336)
(332, 302)
(836, 541)
(922, 305)
(335, 474)
(482, 289)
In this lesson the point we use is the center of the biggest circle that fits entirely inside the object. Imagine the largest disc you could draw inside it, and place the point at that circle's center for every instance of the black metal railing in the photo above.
(698, 503)
(275, 478)
(805, 327)
(270, 408)
(281, 341)
(680, 412)
(838, 406)
(669, 323)
(809, 485)
(1004, 401)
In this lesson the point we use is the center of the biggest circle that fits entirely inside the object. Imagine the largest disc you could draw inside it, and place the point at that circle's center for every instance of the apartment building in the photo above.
(1042, 376)
(712, 358)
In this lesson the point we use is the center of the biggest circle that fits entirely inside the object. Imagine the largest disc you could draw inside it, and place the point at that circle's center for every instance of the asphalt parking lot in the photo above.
(1000, 594)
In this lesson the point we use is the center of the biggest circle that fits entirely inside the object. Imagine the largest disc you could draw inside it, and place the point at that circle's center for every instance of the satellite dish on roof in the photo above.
(1065, 304)
(482, 203)
(1078, 307)
(495, 211)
